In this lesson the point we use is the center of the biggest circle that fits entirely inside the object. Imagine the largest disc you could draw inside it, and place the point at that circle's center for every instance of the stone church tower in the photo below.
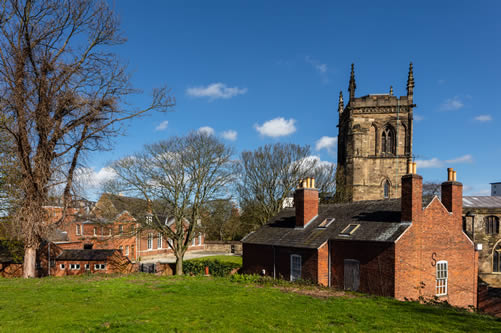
(374, 143)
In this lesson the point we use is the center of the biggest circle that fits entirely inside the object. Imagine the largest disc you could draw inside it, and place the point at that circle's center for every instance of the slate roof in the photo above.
(482, 201)
(58, 235)
(379, 221)
(85, 255)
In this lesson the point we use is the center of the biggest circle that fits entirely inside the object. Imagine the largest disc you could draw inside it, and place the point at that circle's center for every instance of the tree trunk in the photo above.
(30, 256)
(179, 265)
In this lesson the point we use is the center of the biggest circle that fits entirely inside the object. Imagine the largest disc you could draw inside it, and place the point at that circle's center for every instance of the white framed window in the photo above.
(442, 274)
(99, 267)
(159, 241)
(121, 229)
(121, 249)
(193, 241)
(295, 267)
(199, 239)
(62, 266)
(149, 219)
(78, 232)
(126, 250)
(95, 231)
(74, 267)
(150, 241)
(87, 267)
(109, 231)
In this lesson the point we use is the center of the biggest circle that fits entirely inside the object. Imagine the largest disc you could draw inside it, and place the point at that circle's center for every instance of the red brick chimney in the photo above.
(412, 194)
(306, 202)
(452, 193)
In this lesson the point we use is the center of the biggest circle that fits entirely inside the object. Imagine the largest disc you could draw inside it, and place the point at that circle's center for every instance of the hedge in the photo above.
(216, 267)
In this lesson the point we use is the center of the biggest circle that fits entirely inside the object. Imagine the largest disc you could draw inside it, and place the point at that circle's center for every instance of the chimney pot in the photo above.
(409, 167)
(414, 167)
(313, 183)
(449, 174)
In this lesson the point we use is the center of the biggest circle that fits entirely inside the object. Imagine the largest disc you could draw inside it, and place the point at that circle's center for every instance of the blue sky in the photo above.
(260, 72)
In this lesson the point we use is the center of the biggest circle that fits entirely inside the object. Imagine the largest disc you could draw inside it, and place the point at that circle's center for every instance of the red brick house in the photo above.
(116, 222)
(402, 248)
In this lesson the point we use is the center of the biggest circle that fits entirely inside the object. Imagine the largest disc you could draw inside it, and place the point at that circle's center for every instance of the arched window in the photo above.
(496, 259)
(491, 225)
(388, 140)
(386, 189)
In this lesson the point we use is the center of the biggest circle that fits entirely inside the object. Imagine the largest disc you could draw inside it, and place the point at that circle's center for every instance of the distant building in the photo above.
(496, 189)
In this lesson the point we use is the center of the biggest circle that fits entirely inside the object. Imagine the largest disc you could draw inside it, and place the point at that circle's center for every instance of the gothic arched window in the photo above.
(388, 140)
(496, 259)
(491, 225)
(386, 189)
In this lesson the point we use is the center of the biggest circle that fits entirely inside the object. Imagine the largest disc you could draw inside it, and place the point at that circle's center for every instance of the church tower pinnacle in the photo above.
(353, 85)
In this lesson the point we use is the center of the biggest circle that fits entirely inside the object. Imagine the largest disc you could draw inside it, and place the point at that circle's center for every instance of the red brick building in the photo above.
(403, 248)
(115, 223)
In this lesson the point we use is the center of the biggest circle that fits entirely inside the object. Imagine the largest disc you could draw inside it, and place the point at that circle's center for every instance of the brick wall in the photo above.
(259, 257)
(436, 234)
(306, 202)
(222, 246)
(11, 270)
(376, 265)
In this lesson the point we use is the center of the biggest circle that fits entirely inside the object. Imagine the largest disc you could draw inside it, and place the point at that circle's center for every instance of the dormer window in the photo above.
(350, 229)
(325, 223)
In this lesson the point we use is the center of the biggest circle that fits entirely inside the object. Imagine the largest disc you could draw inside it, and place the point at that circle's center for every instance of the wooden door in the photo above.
(351, 274)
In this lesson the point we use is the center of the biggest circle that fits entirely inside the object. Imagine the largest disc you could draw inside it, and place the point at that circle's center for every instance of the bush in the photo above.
(216, 267)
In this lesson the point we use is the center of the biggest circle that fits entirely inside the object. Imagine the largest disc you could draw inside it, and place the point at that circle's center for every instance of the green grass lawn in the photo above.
(233, 259)
(148, 303)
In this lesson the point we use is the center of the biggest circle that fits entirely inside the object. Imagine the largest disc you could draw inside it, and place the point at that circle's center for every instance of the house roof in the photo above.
(378, 220)
(85, 255)
(58, 235)
(482, 202)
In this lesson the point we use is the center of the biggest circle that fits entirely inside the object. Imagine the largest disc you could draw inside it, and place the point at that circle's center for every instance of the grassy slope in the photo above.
(150, 303)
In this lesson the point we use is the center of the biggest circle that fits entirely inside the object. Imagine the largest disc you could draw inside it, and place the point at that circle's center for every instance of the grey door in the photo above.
(351, 274)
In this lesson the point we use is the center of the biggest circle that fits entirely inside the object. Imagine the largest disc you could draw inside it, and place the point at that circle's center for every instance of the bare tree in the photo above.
(325, 180)
(268, 175)
(221, 221)
(179, 175)
(61, 93)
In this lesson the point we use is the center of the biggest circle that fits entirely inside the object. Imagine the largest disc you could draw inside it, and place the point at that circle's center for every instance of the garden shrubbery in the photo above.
(216, 267)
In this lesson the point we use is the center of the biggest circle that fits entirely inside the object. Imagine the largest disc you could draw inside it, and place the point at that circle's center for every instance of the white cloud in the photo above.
(229, 135)
(483, 118)
(463, 159)
(437, 163)
(276, 127)
(162, 125)
(89, 178)
(432, 163)
(452, 104)
(441, 81)
(326, 142)
(418, 117)
(206, 130)
(319, 67)
(215, 91)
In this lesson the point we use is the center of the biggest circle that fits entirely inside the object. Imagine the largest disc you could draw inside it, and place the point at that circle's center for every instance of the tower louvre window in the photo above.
(388, 141)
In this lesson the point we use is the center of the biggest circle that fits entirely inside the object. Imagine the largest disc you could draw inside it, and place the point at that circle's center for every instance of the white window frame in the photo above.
(295, 268)
(78, 231)
(121, 249)
(121, 229)
(87, 267)
(150, 241)
(159, 241)
(103, 266)
(75, 267)
(96, 266)
(62, 266)
(199, 239)
(442, 275)
(126, 250)
(193, 241)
